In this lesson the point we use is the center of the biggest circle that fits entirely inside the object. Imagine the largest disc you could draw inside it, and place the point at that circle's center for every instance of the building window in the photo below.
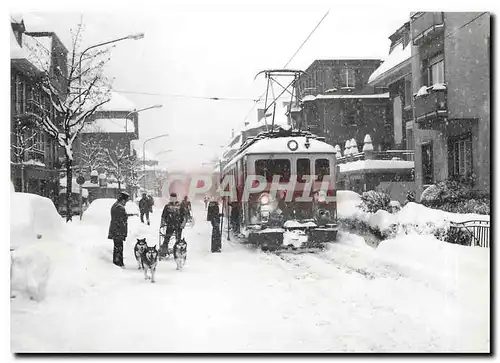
(20, 95)
(408, 92)
(433, 70)
(427, 164)
(461, 156)
(347, 77)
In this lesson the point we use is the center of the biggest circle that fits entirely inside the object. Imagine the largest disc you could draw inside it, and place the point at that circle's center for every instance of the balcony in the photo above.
(426, 26)
(431, 108)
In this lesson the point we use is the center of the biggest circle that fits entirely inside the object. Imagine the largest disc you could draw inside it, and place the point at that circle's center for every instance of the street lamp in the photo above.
(132, 112)
(144, 155)
(131, 36)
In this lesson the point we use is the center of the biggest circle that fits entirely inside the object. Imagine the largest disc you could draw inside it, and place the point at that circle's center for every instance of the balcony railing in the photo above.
(432, 106)
(426, 25)
(396, 155)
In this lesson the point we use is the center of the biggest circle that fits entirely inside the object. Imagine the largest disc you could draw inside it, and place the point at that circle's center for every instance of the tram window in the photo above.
(303, 168)
(268, 168)
(322, 168)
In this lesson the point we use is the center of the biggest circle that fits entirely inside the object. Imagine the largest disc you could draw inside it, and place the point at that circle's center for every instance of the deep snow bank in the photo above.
(33, 218)
(34, 223)
(67, 260)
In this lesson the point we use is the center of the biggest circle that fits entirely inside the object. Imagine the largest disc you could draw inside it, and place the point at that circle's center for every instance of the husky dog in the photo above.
(180, 253)
(139, 249)
(149, 261)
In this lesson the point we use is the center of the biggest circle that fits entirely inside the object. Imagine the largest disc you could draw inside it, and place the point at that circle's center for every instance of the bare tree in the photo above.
(135, 172)
(75, 93)
(91, 153)
(116, 162)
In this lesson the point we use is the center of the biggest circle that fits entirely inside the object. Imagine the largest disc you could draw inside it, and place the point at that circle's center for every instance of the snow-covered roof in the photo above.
(118, 102)
(109, 125)
(279, 146)
(34, 23)
(16, 52)
(376, 165)
(327, 97)
(394, 59)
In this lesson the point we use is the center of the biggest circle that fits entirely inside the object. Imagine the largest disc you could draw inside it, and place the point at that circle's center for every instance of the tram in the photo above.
(298, 170)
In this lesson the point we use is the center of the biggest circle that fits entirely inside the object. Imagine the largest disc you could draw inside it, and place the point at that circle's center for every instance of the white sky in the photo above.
(215, 50)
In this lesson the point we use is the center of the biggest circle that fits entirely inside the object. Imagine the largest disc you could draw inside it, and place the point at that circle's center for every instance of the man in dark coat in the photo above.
(186, 207)
(173, 218)
(145, 207)
(214, 216)
(235, 217)
(118, 227)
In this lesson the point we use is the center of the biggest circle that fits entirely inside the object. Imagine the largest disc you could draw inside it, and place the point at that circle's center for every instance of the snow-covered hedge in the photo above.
(413, 218)
(455, 196)
(373, 201)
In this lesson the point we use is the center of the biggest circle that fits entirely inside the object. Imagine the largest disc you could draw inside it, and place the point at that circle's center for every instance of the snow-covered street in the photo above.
(411, 294)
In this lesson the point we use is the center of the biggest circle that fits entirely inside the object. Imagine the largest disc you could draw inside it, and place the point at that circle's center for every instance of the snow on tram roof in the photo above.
(279, 145)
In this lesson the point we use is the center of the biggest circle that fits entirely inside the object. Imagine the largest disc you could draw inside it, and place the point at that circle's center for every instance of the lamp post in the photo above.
(144, 155)
(131, 36)
(126, 131)
(137, 111)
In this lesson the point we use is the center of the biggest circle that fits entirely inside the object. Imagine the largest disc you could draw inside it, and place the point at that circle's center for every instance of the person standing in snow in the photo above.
(145, 207)
(186, 207)
(205, 200)
(173, 218)
(118, 227)
(214, 216)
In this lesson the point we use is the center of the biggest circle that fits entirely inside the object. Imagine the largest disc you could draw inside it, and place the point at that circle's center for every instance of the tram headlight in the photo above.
(320, 196)
(264, 199)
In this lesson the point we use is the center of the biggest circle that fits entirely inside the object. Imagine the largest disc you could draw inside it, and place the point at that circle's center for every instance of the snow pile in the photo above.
(294, 238)
(99, 211)
(37, 244)
(348, 203)
(29, 272)
(33, 218)
(382, 220)
(447, 267)
(419, 214)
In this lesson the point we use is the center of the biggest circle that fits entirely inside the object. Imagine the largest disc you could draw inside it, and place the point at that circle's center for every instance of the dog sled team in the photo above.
(174, 217)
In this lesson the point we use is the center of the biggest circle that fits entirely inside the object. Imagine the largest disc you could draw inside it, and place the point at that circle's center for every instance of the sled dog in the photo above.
(180, 253)
(149, 262)
(139, 249)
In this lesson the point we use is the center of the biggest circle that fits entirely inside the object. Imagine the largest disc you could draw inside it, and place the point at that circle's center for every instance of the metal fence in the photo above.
(477, 232)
